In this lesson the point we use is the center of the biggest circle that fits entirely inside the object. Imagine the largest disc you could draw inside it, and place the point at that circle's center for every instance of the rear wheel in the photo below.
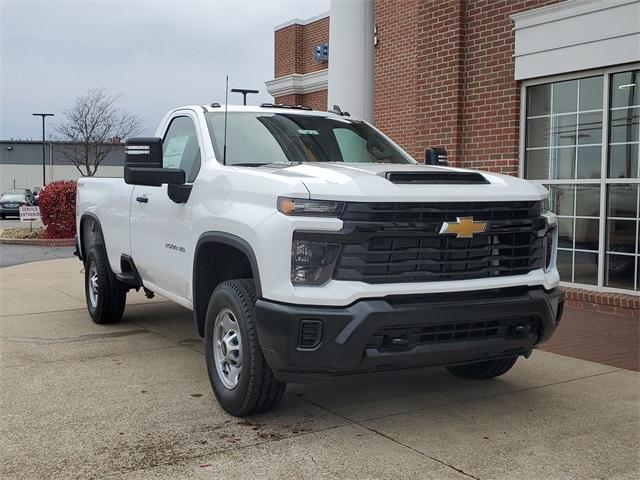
(105, 295)
(483, 370)
(241, 380)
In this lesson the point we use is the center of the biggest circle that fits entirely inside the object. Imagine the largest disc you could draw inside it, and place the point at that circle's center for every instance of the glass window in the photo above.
(589, 162)
(539, 100)
(564, 163)
(537, 164)
(591, 93)
(624, 125)
(565, 96)
(622, 236)
(622, 201)
(586, 268)
(623, 161)
(625, 90)
(588, 200)
(180, 147)
(538, 132)
(619, 271)
(562, 198)
(564, 151)
(565, 232)
(564, 130)
(565, 265)
(590, 128)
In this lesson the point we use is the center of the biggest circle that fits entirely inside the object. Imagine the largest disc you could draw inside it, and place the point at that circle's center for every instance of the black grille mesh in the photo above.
(401, 243)
(388, 338)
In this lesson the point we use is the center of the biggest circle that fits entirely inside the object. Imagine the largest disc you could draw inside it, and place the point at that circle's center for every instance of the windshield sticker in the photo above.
(308, 132)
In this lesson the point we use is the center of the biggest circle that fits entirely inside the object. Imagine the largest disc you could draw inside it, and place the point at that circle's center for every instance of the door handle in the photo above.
(142, 199)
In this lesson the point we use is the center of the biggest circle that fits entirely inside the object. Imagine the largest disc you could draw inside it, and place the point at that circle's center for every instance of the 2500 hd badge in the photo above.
(314, 246)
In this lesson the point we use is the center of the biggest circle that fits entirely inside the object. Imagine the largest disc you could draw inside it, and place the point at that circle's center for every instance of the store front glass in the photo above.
(581, 138)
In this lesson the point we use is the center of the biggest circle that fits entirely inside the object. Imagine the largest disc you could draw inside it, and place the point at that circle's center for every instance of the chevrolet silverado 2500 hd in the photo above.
(308, 244)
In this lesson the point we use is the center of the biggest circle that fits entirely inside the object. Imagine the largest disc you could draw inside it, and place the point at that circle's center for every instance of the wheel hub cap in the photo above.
(92, 288)
(227, 348)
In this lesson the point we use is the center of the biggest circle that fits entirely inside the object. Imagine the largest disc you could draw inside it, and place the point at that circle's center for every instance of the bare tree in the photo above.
(93, 127)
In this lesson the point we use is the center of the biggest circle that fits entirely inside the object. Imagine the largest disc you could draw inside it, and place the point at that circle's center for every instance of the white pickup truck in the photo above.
(308, 244)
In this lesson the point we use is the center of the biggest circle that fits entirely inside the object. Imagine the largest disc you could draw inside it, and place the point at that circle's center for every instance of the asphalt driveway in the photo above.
(132, 400)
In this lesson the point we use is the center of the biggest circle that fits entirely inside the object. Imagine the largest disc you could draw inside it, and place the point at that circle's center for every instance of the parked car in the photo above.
(12, 200)
(308, 244)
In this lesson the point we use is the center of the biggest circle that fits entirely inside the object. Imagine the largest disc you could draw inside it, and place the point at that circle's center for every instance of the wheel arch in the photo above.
(89, 233)
(235, 251)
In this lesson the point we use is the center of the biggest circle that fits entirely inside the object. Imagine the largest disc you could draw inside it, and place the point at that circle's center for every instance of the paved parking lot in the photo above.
(17, 254)
(132, 400)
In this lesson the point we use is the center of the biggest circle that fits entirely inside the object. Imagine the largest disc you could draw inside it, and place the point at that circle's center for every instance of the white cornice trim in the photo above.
(299, 21)
(298, 83)
(566, 9)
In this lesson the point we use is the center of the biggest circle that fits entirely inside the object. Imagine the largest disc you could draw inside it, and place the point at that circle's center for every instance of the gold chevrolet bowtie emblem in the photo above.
(463, 227)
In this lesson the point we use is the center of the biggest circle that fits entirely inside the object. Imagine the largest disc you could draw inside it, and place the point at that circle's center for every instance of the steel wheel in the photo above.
(92, 288)
(227, 348)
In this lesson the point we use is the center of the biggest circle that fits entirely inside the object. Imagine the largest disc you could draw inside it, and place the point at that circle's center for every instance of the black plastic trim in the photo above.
(230, 240)
(85, 216)
(179, 193)
(347, 330)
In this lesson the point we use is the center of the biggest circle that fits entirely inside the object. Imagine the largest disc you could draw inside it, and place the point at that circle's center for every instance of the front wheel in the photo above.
(241, 380)
(105, 295)
(483, 370)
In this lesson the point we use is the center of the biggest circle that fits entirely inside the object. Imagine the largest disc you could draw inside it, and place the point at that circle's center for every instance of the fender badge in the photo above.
(463, 227)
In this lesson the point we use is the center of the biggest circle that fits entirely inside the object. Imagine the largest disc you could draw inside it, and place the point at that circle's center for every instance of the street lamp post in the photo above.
(44, 116)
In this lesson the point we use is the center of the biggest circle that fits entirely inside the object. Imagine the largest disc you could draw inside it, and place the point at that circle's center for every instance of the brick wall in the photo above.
(293, 54)
(395, 71)
(316, 100)
(443, 75)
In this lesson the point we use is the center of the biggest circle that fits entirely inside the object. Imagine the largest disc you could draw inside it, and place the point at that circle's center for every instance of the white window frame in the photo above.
(602, 181)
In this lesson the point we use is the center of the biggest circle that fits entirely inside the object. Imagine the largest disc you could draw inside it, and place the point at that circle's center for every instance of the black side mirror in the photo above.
(143, 164)
(435, 156)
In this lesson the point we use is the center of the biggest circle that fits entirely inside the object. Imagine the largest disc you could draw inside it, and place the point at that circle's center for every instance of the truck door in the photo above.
(161, 244)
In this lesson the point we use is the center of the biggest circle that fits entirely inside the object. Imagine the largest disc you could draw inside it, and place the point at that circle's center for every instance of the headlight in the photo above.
(315, 208)
(312, 263)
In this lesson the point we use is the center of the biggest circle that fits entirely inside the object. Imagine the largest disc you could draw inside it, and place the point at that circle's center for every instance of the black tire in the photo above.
(111, 294)
(256, 390)
(2, 216)
(483, 370)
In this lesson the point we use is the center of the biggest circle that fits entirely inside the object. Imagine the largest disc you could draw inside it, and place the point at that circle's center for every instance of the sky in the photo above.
(157, 54)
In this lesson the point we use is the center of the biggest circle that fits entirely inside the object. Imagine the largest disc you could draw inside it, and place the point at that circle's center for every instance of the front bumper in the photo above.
(9, 210)
(345, 342)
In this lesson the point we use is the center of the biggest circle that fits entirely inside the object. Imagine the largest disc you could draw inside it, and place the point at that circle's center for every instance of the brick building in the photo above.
(543, 89)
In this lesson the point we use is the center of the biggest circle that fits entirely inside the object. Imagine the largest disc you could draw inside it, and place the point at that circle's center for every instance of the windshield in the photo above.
(13, 196)
(257, 138)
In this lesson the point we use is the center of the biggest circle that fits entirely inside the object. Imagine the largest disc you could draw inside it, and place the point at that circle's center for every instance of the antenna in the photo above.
(226, 108)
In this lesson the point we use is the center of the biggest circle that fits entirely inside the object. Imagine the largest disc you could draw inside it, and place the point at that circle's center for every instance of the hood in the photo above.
(407, 183)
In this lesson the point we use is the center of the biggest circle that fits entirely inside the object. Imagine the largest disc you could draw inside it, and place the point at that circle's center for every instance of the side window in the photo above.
(180, 147)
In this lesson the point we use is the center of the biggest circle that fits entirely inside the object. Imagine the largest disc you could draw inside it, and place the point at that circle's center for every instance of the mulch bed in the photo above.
(36, 236)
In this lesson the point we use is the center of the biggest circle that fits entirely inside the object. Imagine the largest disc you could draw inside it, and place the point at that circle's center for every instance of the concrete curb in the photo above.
(41, 242)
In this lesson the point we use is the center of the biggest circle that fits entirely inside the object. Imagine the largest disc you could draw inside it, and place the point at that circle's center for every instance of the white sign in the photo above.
(29, 214)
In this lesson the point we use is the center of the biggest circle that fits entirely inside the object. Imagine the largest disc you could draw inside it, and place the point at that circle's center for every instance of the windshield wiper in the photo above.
(272, 164)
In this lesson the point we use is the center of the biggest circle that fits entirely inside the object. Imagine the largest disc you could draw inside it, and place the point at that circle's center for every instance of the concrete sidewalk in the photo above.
(132, 400)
